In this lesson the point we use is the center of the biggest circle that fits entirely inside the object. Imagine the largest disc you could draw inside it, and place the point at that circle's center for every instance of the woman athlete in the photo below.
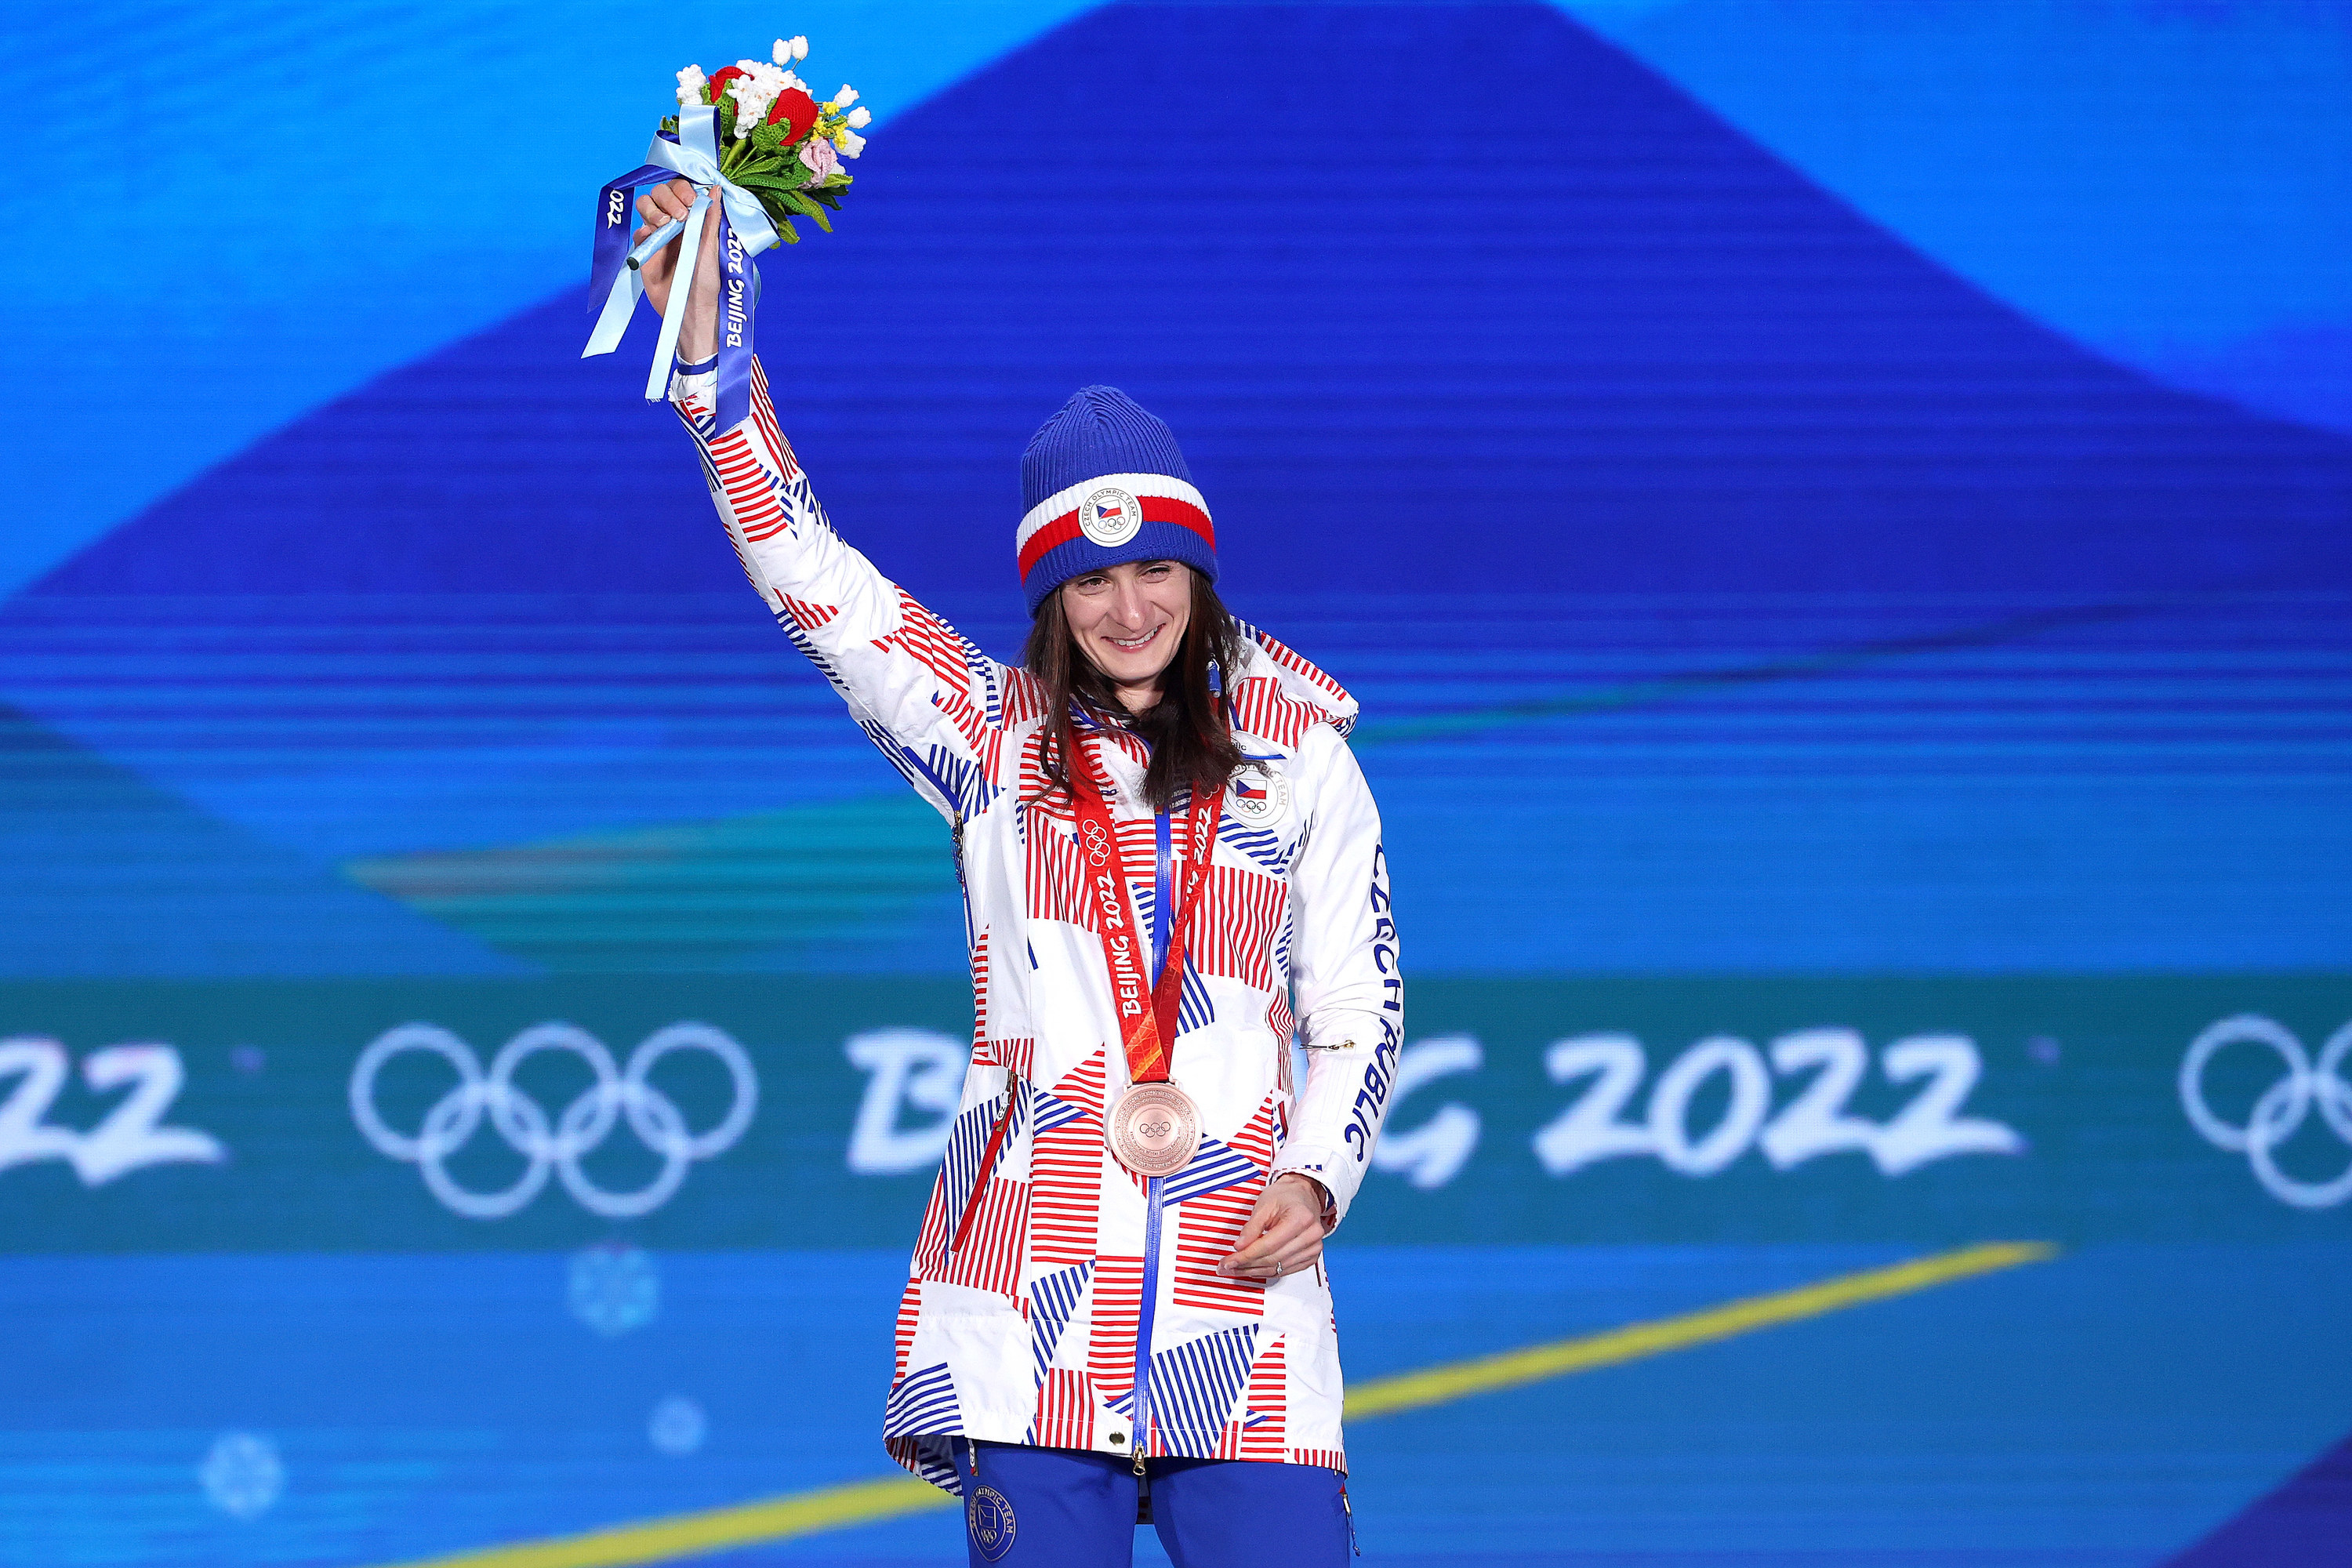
(1116, 1308)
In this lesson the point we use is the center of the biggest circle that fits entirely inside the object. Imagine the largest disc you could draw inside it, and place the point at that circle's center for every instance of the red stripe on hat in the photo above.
(1183, 513)
(1059, 531)
(1155, 509)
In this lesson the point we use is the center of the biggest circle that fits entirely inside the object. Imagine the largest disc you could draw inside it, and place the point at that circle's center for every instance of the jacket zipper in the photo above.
(987, 1164)
(1161, 842)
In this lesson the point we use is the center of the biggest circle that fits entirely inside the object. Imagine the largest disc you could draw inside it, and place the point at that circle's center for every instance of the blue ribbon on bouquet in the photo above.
(743, 231)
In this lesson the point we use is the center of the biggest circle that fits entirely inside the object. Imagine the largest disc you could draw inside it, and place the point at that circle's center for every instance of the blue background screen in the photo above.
(1839, 517)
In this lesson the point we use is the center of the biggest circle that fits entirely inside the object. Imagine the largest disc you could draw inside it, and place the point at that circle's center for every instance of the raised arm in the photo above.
(925, 695)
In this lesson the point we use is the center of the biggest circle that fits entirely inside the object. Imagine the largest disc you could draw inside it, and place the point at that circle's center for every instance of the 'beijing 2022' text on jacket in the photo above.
(1083, 1309)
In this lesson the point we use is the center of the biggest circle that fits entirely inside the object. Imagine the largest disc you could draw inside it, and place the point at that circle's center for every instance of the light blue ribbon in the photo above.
(695, 157)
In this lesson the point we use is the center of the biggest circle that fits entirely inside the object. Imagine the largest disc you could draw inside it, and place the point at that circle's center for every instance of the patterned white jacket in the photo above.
(1083, 1309)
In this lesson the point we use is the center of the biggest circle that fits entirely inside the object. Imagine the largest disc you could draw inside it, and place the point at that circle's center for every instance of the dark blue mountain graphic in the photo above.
(1436, 297)
(2304, 1523)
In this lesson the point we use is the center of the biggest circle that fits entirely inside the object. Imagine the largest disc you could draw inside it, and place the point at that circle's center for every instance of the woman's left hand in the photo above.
(1283, 1233)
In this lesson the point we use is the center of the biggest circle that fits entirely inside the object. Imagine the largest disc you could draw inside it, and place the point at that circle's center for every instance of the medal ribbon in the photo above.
(1149, 1030)
(1146, 1011)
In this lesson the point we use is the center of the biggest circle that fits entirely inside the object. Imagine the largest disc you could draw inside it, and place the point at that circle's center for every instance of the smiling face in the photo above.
(1129, 620)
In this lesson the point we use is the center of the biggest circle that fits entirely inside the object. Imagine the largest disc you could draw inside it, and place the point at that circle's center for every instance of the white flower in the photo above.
(859, 120)
(790, 49)
(690, 83)
(800, 46)
(845, 97)
(755, 93)
(850, 143)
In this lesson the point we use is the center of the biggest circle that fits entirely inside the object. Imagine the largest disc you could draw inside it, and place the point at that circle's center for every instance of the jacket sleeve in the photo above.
(1350, 994)
(924, 694)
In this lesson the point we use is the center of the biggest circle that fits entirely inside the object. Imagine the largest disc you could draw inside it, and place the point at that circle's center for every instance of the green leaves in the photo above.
(776, 204)
(772, 189)
(809, 210)
(767, 164)
(784, 201)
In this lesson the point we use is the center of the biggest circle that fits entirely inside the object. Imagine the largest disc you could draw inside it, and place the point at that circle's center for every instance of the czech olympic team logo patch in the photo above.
(1259, 796)
(992, 1523)
(1110, 516)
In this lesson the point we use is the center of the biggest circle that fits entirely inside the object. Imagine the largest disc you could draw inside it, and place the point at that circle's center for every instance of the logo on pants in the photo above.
(992, 1523)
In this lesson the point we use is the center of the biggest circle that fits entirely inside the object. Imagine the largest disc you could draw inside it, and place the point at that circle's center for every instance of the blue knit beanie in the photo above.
(1102, 482)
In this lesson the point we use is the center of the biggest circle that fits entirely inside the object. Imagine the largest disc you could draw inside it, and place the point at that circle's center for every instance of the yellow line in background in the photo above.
(692, 1534)
(1439, 1384)
(867, 1502)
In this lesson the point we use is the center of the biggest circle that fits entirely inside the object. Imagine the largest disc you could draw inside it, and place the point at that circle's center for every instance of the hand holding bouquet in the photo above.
(751, 146)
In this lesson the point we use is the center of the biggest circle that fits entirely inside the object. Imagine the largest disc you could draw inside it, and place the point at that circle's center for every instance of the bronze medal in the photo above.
(1154, 1129)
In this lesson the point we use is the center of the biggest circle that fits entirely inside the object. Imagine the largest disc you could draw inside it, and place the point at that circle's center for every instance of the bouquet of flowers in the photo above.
(754, 141)
(779, 142)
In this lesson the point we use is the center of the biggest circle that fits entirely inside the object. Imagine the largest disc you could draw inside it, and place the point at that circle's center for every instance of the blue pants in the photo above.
(1057, 1508)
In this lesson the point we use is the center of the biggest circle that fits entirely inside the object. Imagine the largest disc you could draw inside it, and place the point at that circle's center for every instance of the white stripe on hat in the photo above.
(1062, 503)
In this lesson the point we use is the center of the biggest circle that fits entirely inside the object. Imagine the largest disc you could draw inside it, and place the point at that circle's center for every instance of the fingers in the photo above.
(1284, 1237)
(1280, 1225)
(666, 203)
(1296, 1257)
(1298, 1260)
(675, 199)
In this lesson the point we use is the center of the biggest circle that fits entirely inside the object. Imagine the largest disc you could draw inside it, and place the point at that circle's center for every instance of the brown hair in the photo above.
(1191, 743)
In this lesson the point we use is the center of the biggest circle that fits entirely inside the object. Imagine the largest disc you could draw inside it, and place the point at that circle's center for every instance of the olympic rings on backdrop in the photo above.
(582, 1127)
(2278, 1114)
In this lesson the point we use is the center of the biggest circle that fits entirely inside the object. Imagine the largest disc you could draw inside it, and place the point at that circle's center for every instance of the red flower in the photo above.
(796, 111)
(719, 79)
